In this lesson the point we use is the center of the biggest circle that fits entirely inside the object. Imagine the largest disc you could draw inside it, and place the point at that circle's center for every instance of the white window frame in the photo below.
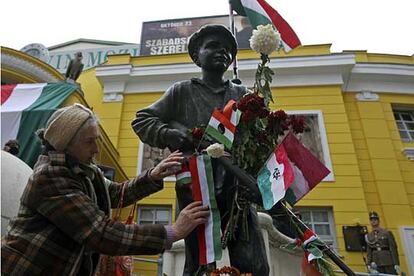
(156, 208)
(403, 122)
(141, 159)
(324, 140)
(330, 222)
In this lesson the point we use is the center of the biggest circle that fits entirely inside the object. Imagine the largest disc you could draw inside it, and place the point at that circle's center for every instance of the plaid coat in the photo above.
(64, 213)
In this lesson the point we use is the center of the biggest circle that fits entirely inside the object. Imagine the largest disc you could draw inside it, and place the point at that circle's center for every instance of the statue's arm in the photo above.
(151, 123)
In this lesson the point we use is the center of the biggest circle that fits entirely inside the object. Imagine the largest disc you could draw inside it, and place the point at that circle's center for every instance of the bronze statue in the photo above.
(75, 67)
(188, 104)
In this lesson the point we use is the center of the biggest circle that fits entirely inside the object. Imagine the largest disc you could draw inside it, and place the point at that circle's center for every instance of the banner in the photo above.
(171, 36)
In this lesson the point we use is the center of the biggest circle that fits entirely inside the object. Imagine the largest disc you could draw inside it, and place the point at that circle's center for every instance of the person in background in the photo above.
(64, 222)
(12, 147)
(382, 252)
(243, 35)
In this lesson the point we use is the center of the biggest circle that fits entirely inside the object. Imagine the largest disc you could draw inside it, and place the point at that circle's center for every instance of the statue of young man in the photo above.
(188, 104)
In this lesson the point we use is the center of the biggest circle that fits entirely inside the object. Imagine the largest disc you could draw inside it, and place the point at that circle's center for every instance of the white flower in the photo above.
(215, 150)
(265, 39)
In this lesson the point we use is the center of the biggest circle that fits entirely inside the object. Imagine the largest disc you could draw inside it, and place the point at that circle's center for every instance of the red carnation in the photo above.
(277, 122)
(247, 116)
(197, 133)
(297, 123)
(251, 102)
(280, 114)
(252, 106)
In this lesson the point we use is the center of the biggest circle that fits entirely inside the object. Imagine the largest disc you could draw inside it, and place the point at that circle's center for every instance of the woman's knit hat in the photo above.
(64, 123)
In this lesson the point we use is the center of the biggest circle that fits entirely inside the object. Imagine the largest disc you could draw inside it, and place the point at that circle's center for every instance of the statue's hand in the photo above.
(252, 196)
(175, 139)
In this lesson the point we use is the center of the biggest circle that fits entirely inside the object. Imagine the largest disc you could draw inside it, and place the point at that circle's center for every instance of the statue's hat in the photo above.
(198, 36)
(373, 215)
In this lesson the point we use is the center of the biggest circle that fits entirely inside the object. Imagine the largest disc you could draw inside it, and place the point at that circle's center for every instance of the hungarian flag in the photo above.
(308, 170)
(260, 12)
(222, 126)
(26, 108)
(183, 176)
(231, 112)
(209, 236)
(275, 177)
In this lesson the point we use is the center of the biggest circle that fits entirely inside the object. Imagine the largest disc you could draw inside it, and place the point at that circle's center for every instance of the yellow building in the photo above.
(360, 105)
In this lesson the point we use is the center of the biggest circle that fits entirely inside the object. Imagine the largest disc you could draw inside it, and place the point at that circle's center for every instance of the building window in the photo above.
(405, 124)
(320, 220)
(314, 137)
(154, 215)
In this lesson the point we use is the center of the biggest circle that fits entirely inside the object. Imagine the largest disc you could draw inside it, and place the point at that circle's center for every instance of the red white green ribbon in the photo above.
(209, 236)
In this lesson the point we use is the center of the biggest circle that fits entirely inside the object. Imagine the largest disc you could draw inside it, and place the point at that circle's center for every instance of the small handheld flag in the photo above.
(275, 177)
(222, 126)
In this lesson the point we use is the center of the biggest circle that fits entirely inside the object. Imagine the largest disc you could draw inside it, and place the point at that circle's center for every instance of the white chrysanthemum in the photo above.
(215, 150)
(265, 39)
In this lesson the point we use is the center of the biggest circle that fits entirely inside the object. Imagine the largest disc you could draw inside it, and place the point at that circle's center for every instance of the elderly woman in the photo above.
(64, 222)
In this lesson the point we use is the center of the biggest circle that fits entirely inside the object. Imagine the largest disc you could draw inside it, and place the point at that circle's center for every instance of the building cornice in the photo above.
(290, 71)
(381, 78)
(318, 70)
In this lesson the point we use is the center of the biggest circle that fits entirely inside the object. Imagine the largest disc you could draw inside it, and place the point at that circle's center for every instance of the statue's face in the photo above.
(214, 53)
(78, 57)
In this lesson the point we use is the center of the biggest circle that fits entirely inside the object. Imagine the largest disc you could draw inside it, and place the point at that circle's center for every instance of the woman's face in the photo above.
(86, 147)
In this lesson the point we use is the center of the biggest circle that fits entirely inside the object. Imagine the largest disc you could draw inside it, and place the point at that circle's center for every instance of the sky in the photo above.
(377, 26)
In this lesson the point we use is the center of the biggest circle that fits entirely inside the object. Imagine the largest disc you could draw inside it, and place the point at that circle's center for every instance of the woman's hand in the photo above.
(188, 219)
(168, 166)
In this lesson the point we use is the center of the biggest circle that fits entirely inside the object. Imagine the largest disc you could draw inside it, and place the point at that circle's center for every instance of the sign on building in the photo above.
(171, 36)
(91, 57)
